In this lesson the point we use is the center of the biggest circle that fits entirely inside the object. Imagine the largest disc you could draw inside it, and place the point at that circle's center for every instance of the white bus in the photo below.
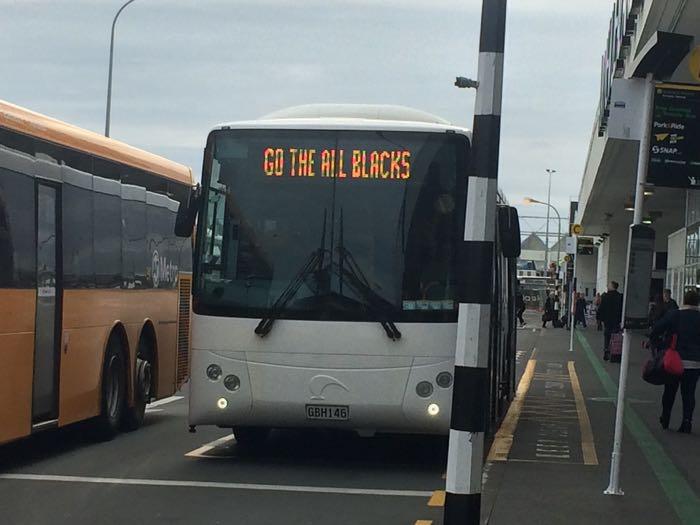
(326, 271)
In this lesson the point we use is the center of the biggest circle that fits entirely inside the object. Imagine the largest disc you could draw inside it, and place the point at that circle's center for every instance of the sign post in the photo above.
(642, 165)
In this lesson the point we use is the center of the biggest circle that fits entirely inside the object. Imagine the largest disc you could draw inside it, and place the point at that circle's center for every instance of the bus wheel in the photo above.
(113, 392)
(134, 416)
(250, 438)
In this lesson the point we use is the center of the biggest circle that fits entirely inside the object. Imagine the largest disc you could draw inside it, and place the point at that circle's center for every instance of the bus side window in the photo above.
(17, 218)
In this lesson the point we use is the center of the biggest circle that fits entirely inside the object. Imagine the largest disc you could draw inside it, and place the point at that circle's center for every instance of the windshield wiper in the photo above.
(352, 275)
(314, 262)
(311, 265)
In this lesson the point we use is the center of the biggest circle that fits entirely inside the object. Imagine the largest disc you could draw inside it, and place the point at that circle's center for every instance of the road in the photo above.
(164, 474)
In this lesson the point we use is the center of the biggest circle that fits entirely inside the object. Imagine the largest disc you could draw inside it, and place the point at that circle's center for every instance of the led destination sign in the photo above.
(336, 163)
(674, 156)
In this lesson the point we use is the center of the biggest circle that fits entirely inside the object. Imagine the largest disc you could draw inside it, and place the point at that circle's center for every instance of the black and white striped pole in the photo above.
(470, 392)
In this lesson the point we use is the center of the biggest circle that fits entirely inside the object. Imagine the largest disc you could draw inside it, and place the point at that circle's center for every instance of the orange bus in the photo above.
(94, 285)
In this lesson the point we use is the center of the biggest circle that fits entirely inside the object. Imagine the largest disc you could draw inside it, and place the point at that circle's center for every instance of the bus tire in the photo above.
(143, 381)
(250, 438)
(113, 394)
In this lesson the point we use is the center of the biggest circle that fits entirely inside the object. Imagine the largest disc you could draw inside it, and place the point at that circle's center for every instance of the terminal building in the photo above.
(659, 38)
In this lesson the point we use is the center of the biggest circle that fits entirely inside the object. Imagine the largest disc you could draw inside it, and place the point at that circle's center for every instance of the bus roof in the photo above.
(349, 116)
(46, 128)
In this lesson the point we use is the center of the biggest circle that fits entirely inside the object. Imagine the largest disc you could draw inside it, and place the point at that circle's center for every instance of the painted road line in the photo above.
(437, 499)
(680, 494)
(204, 449)
(164, 401)
(503, 441)
(587, 443)
(218, 485)
(151, 410)
(424, 522)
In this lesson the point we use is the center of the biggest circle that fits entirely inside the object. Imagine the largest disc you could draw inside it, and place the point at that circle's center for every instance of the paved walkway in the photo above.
(550, 461)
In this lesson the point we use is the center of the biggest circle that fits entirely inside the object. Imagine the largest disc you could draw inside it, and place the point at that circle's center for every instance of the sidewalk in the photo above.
(550, 461)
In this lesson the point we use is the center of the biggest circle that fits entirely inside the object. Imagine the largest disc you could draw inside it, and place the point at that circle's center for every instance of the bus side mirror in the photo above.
(187, 213)
(509, 231)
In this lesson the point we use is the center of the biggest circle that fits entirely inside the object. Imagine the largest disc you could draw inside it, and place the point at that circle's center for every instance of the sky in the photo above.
(183, 66)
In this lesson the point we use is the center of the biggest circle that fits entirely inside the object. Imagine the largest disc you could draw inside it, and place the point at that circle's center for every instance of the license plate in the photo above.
(328, 412)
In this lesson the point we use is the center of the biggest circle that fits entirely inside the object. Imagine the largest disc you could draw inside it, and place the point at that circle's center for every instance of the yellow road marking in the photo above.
(437, 499)
(587, 444)
(503, 441)
(424, 522)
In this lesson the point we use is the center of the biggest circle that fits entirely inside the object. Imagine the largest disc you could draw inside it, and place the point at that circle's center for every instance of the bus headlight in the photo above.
(232, 383)
(424, 389)
(222, 403)
(433, 409)
(444, 380)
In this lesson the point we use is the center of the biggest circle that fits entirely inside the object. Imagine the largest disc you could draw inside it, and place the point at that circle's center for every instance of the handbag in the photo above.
(653, 371)
(673, 364)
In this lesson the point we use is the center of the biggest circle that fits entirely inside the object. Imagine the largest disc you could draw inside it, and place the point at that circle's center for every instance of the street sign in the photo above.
(570, 245)
(674, 155)
(639, 264)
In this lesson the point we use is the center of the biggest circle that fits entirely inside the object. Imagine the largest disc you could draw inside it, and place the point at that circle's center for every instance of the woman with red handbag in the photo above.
(685, 325)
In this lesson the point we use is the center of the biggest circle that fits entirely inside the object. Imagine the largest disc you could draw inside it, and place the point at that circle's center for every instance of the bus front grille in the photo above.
(183, 328)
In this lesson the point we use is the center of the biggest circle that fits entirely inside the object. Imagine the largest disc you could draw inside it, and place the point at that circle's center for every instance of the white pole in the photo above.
(572, 291)
(642, 164)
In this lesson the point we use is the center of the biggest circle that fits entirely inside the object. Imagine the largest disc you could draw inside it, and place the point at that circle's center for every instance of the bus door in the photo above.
(48, 294)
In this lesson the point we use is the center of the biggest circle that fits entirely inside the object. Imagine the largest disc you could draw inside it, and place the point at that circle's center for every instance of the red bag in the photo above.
(673, 364)
(615, 347)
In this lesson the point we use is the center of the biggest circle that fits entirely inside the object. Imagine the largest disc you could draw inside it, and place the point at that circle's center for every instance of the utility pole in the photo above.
(469, 415)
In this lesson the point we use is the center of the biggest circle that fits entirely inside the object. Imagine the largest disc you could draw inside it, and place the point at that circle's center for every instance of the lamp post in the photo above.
(530, 200)
(546, 235)
(111, 61)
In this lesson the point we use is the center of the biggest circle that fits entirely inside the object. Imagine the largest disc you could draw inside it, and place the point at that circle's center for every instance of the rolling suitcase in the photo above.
(615, 347)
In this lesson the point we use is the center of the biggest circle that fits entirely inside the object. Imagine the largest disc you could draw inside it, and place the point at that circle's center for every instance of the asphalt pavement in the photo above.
(548, 464)
(163, 474)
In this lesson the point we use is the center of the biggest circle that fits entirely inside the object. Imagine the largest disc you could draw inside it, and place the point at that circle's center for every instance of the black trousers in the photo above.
(520, 313)
(607, 334)
(687, 382)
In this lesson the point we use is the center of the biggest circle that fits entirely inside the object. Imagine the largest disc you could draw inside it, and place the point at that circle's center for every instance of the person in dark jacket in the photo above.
(548, 314)
(610, 312)
(520, 307)
(580, 310)
(685, 324)
(668, 303)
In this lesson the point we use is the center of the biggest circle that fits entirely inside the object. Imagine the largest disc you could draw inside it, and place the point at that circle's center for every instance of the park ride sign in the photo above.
(674, 154)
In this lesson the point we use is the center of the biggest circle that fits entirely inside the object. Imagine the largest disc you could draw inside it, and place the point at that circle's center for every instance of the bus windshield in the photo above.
(331, 224)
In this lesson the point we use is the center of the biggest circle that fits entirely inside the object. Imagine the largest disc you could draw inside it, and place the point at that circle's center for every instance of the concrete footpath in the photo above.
(550, 461)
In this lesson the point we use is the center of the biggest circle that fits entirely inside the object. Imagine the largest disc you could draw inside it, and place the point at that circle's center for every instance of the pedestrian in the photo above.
(656, 312)
(548, 314)
(685, 324)
(668, 302)
(610, 313)
(596, 305)
(557, 309)
(520, 307)
(580, 310)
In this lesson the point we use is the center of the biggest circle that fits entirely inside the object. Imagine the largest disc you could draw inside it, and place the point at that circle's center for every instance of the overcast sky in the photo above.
(182, 66)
